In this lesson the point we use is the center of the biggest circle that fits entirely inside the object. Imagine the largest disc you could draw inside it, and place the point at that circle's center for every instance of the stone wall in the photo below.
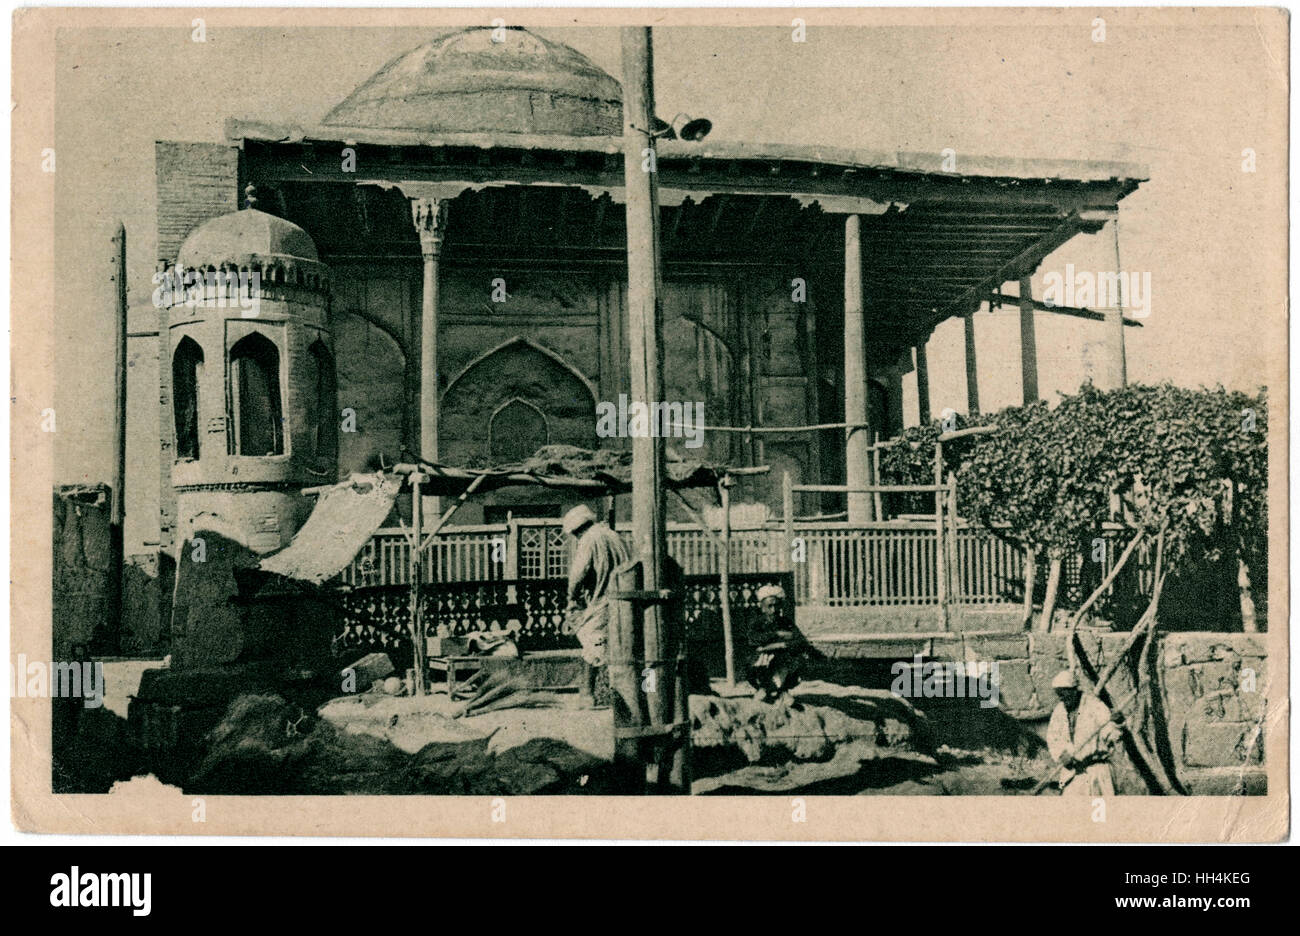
(1214, 688)
(1211, 692)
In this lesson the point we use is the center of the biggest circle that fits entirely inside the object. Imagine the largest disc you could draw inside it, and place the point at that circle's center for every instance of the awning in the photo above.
(345, 518)
(588, 472)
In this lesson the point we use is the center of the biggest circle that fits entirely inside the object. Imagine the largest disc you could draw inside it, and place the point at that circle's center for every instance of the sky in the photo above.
(1183, 97)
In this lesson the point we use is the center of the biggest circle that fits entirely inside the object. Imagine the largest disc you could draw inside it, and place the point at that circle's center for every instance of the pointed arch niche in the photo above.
(516, 396)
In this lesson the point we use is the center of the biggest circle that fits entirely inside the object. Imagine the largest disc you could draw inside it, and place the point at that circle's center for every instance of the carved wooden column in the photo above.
(430, 217)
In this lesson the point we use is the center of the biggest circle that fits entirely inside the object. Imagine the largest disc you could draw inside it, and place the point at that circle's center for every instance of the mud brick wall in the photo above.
(82, 562)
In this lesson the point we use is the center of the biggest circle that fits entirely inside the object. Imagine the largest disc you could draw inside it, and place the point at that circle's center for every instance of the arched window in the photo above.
(255, 397)
(321, 410)
(187, 374)
(516, 431)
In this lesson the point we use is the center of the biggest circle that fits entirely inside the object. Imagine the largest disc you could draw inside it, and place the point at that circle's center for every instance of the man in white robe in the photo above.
(1080, 737)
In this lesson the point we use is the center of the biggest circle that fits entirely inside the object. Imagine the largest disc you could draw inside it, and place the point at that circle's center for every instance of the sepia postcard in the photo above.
(734, 424)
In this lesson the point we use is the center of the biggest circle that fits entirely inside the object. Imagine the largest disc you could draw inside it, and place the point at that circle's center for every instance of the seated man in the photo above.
(780, 651)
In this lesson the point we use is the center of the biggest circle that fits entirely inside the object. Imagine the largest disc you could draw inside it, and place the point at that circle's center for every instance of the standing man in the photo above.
(1080, 737)
(598, 552)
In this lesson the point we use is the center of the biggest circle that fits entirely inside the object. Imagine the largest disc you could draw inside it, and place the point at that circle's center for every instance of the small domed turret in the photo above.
(252, 376)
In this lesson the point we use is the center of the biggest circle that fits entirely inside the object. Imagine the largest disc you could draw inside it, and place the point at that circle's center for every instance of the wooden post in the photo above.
(728, 638)
(117, 514)
(417, 576)
(857, 437)
(877, 502)
(1028, 343)
(430, 217)
(954, 567)
(940, 565)
(922, 385)
(645, 345)
(972, 370)
(787, 512)
(629, 703)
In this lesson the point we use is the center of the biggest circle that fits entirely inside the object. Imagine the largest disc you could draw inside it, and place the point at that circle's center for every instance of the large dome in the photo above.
(466, 83)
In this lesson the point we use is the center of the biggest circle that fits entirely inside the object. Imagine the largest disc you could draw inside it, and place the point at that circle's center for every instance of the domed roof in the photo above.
(236, 237)
(465, 82)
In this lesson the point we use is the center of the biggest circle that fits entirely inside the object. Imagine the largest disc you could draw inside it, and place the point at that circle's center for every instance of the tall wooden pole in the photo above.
(664, 687)
(1115, 322)
(1028, 343)
(922, 386)
(972, 368)
(857, 437)
(417, 577)
(117, 516)
(728, 638)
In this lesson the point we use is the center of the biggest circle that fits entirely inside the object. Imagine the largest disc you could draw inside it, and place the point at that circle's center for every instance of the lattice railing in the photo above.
(379, 617)
(889, 563)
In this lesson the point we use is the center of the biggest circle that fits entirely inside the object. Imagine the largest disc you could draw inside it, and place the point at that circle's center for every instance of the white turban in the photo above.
(771, 591)
(1065, 679)
(577, 518)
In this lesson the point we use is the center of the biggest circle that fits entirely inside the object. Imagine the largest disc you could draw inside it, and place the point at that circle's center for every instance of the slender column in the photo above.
(972, 371)
(1028, 343)
(430, 217)
(857, 437)
(922, 385)
(1115, 323)
(118, 509)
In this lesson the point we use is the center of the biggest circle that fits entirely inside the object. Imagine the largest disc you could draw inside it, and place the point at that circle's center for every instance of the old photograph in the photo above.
(872, 406)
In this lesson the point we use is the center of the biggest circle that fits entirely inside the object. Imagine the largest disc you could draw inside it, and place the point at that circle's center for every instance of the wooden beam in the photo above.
(1040, 306)
(1030, 256)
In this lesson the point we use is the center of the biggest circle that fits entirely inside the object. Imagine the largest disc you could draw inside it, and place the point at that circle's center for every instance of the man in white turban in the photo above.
(780, 651)
(1080, 737)
(597, 553)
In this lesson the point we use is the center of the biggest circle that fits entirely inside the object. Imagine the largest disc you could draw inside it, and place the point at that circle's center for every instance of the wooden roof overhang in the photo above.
(935, 243)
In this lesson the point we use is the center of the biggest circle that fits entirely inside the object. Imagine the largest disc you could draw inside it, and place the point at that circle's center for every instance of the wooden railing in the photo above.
(884, 563)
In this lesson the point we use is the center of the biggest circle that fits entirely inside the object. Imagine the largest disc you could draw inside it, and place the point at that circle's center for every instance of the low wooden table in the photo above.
(452, 664)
